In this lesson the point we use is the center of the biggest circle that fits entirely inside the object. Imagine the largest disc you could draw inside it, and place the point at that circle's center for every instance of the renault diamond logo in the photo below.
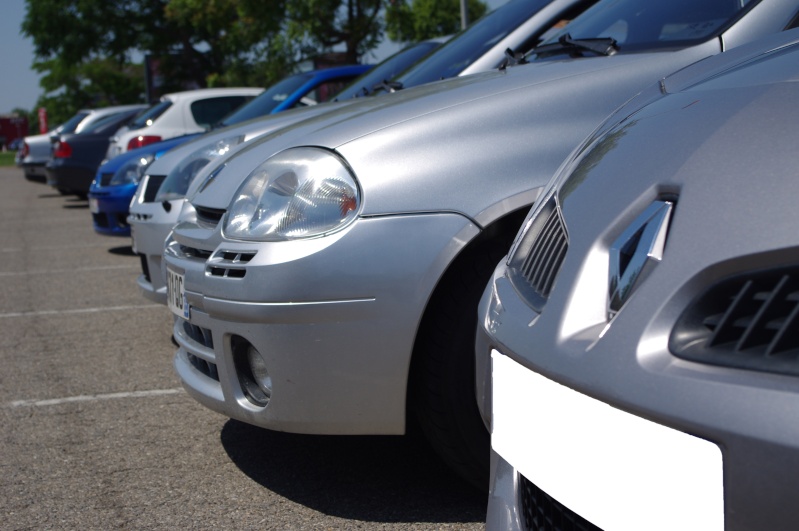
(634, 252)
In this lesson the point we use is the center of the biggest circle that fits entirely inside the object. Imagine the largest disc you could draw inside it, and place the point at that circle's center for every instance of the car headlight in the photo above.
(132, 171)
(298, 193)
(178, 180)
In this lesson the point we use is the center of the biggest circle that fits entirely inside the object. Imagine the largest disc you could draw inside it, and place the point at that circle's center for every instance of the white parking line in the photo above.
(58, 271)
(54, 247)
(80, 310)
(94, 398)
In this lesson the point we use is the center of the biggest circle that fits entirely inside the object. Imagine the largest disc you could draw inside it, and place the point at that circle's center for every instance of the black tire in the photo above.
(442, 389)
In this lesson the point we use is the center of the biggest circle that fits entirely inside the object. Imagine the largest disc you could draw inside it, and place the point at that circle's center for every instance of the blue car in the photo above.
(298, 90)
(115, 184)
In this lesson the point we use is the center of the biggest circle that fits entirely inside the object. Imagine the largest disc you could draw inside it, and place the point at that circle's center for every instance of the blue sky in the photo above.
(19, 84)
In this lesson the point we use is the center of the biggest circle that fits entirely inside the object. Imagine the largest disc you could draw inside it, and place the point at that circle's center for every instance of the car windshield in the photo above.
(267, 100)
(150, 115)
(647, 24)
(70, 125)
(387, 70)
(472, 43)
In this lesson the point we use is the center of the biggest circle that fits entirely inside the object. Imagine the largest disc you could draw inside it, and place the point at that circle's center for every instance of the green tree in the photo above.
(426, 19)
(320, 25)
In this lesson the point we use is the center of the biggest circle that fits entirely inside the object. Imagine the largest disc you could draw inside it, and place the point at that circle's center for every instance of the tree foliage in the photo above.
(426, 19)
(90, 51)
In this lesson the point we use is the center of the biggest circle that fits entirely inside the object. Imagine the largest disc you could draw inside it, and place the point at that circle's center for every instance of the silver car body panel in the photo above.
(145, 213)
(420, 154)
(716, 141)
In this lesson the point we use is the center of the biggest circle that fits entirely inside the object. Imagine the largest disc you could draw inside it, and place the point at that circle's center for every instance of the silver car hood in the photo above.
(250, 129)
(512, 127)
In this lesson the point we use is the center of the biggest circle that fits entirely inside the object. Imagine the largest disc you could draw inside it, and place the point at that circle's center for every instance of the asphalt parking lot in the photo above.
(98, 434)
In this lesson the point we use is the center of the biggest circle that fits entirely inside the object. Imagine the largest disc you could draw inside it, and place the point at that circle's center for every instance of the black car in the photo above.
(76, 156)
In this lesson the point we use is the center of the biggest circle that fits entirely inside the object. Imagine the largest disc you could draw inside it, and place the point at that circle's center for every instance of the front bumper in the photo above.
(150, 225)
(334, 318)
(109, 206)
(725, 445)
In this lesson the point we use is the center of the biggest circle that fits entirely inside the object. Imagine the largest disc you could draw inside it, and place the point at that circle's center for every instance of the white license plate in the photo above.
(592, 457)
(176, 295)
(94, 207)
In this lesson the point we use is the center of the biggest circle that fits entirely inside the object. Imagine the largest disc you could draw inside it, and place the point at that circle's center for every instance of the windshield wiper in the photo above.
(512, 59)
(565, 44)
(388, 86)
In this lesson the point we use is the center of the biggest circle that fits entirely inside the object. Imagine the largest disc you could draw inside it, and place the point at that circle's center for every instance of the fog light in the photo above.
(254, 377)
(259, 371)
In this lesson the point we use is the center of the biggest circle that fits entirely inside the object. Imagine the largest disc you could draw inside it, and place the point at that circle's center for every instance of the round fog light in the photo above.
(254, 377)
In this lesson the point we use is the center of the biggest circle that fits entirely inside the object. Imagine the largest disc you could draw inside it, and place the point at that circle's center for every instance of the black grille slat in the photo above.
(541, 512)
(209, 216)
(145, 267)
(749, 321)
(229, 264)
(538, 258)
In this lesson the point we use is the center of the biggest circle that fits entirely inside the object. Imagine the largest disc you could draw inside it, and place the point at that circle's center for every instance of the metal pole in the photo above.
(464, 15)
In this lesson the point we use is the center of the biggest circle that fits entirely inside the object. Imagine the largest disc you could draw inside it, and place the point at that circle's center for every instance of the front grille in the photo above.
(194, 252)
(199, 335)
(153, 184)
(145, 267)
(749, 321)
(539, 255)
(209, 216)
(105, 178)
(229, 264)
(542, 512)
(205, 367)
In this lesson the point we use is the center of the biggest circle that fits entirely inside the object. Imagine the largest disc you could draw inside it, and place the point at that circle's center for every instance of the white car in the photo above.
(180, 113)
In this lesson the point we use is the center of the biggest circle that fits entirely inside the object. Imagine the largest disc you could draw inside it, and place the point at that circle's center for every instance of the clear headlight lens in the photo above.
(298, 193)
(132, 171)
(178, 180)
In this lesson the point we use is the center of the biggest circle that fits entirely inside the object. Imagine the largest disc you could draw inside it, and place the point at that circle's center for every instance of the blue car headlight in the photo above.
(132, 171)
(298, 193)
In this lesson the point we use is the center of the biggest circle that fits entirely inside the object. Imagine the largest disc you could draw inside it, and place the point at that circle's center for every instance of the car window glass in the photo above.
(387, 70)
(469, 45)
(105, 122)
(209, 111)
(654, 23)
(267, 100)
(150, 115)
(322, 92)
(70, 125)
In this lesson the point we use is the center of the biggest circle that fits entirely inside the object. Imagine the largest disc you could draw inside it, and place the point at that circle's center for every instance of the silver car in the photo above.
(327, 276)
(518, 25)
(638, 350)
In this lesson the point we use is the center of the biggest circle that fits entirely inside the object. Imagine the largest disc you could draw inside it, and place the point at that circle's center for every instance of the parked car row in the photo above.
(569, 261)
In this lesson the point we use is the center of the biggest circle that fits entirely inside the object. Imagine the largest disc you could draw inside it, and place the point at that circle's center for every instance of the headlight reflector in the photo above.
(178, 180)
(132, 171)
(298, 193)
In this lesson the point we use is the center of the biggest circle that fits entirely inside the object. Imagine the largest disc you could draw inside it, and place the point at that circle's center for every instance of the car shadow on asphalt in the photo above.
(125, 250)
(365, 478)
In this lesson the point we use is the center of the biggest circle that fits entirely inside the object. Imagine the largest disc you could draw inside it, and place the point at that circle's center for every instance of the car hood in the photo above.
(461, 134)
(250, 130)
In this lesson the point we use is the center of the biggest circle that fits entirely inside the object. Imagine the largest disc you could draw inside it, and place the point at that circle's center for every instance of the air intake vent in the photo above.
(539, 256)
(541, 512)
(105, 178)
(229, 264)
(748, 322)
(209, 216)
